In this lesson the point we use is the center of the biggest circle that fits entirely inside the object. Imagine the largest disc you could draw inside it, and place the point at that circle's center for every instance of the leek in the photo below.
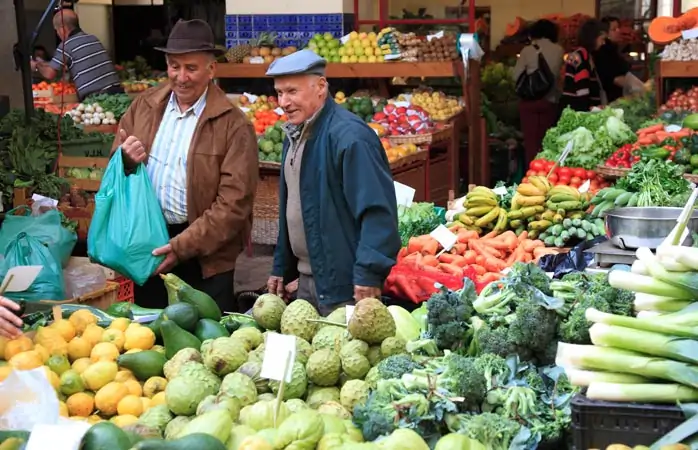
(649, 302)
(649, 342)
(667, 324)
(687, 256)
(591, 357)
(686, 281)
(672, 265)
(584, 378)
(647, 314)
(647, 285)
(642, 393)
(639, 268)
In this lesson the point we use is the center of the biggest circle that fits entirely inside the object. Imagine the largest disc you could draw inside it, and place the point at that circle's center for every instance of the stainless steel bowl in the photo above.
(631, 228)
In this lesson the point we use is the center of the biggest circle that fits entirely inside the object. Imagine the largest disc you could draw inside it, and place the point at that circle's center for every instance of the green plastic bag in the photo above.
(127, 224)
(26, 250)
(46, 228)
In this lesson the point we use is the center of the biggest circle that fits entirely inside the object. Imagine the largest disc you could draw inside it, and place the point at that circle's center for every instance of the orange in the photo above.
(108, 397)
(134, 387)
(130, 405)
(80, 404)
(19, 345)
(66, 329)
(79, 347)
(26, 360)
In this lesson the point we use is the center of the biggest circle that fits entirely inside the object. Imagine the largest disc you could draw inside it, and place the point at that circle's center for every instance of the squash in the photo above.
(664, 30)
(515, 27)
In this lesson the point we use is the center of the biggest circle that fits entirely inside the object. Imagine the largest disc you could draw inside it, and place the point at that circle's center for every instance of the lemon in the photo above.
(146, 402)
(80, 319)
(19, 345)
(130, 405)
(134, 387)
(63, 409)
(108, 397)
(79, 365)
(43, 353)
(79, 347)
(124, 420)
(65, 328)
(58, 364)
(153, 386)
(97, 375)
(104, 351)
(124, 375)
(115, 337)
(158, 399)
(120, 323)
(93, 334)
(52, 378)
(26, 360)
(139, 337)
(71, 383)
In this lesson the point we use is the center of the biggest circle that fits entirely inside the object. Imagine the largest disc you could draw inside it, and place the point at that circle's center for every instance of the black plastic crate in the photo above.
(598, 424)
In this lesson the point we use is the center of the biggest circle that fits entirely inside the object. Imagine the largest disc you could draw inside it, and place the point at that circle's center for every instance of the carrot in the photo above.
(449, 258)
(469, 257)
(529, 245)
(680, 134)
(651, 129)
(516, 256)
(402, 253)
(403, 286)
(415, 244)
(431, 247)
(479, 270)
(489, 277)
(484, 250)
(661, 135)
(491, 235)
(523, 236)
(494, 264)
(430, 260)
(451, 269)
(459, 248)
(412, 258)
(465, 235)
(527, 258)
(645, 140)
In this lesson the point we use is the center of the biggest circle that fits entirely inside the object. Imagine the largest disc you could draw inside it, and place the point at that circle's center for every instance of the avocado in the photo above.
(189, 442)
(155, 326)
(207, 306)
(183, 314)
(143, 364)
(105, 436)
(209, 329)
(175, 338)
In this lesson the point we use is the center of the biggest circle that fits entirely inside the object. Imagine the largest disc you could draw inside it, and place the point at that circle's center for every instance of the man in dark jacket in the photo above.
(337, 208)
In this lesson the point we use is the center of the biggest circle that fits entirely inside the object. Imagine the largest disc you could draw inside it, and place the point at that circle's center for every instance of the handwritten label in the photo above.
(391, 56)
(349, 312)
(584, 188)
(344, 39)
(500, 190)
(672, 128)
(565, 153)
(402, 104)
(244, 109)
(251, 97)
(690, 34)
(19, 278)
(445, 237)
(257, 60)
(404, 194)
(438, 35)
(279, 111)
(66, 436)
(277, 349)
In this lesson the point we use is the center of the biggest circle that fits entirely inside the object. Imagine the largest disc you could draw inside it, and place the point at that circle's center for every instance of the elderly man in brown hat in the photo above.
(200, 153)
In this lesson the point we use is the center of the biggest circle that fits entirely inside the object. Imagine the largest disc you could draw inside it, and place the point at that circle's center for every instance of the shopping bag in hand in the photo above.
(26, 250)
(127, 224)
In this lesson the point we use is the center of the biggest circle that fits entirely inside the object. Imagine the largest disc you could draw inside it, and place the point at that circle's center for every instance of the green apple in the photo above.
(328, 36)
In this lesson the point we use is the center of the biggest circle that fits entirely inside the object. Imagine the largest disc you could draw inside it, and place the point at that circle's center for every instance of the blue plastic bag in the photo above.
(26, 250)
(46, 228)
(127, 224)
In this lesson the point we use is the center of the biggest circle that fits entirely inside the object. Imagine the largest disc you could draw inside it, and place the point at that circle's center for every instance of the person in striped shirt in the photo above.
(581, 88)
(90, 67)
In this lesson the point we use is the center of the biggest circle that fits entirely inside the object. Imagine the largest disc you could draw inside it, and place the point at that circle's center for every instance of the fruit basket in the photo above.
(420, 155)
(611, 173)
(420, 139)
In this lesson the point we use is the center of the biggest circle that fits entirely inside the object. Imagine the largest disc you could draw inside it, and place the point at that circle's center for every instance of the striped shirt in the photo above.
(581, 88)
(167, 162)
(90, 67)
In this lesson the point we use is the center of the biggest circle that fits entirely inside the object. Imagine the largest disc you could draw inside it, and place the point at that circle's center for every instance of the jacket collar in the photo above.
(216, 101)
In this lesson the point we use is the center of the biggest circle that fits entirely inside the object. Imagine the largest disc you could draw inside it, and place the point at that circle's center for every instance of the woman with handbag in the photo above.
(537, 78)
(581, 89)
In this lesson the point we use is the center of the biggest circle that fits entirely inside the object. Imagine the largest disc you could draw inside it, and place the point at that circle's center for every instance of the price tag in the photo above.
(276, 350)
(690, 34)
(672, 128)
(501, 191)
(565, 153)
(279, 111)
(438, 35)
(391, 56)
(404, 194)
(584, 188)
(349, 311)
(66, 436)
(257, 60)
(244, 109)
(251, 97)
(402, 104)
(445, 237)
(344, 39)
(19, 278)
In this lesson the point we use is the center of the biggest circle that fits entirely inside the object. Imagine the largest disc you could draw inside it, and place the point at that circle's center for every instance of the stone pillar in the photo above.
(10, 79)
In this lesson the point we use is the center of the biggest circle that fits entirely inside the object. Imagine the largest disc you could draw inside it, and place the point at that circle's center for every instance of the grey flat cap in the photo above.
(302, 62)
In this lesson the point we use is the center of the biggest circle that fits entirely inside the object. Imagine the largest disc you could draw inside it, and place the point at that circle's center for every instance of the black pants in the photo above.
(220, 286)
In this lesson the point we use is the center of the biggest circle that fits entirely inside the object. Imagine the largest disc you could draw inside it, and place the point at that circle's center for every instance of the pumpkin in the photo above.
(664, 30)
(515, 27)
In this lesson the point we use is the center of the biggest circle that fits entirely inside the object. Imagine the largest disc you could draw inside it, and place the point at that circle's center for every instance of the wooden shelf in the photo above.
(359, 70)
(678, 69)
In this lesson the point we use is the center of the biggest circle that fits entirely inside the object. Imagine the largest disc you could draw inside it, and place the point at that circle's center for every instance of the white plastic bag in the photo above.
(27, 399)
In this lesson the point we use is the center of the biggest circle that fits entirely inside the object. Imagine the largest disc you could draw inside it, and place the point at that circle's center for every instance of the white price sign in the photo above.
(19, 278)
(349, 312)
(584, 187)
(277, 349)
(689, 34)
(404, 194)
(501, 191)
(66, 436)
(251, 97)
(444, 236)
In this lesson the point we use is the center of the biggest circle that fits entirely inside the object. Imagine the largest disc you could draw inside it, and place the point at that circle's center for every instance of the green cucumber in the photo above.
(602, 208)
(613, 194)
(140, 311)
(623, 199)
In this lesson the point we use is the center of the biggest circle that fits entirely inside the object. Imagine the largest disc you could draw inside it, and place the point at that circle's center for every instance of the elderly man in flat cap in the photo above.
(337, 208)
(200, 152)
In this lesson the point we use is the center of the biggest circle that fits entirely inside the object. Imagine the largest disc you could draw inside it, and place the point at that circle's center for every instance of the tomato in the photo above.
(591, 174)
(537, 165)
(549, 165)
(564, 179)
(561, 183)
(594, 185)
(542, 173)
(530, 173)
(525, 180)
(553, 178)
(565, 172)
(575, 179)
(579, 172)
(575, 185)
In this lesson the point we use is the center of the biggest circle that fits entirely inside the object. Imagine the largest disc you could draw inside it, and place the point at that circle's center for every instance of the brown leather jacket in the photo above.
(222, 173)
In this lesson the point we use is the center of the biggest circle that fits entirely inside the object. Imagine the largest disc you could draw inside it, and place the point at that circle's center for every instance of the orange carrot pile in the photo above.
(656, 134)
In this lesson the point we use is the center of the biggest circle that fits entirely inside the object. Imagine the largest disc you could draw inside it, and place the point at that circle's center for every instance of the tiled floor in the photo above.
(251, 273)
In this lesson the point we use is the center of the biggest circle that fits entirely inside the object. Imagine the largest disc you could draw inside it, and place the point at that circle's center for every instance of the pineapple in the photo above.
(238, 53)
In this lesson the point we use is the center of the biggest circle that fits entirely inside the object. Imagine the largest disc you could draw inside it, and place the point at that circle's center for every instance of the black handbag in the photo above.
(537, 84)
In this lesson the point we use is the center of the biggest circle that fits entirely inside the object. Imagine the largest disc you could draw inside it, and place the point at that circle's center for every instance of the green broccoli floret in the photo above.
(448, 313)
(534, 380)
(551, 426)
(376, 417)
(393, 367)
(495, 298)
(452, 376)
(514, 402)
(494, 368)
(532, 275)
(548, 355)
(534, 326)
(575, 329)
(488, 338)
(493, 431)
(623, 303)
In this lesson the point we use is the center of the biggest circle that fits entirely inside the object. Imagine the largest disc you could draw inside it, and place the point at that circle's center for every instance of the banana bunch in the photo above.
(482, 211)
(610, 197)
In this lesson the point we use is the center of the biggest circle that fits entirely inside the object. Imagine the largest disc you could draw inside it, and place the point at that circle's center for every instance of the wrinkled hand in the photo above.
(362, 292)
(132, 149)
(33, 63)
(275, 285)
(10, 324)
(170, 261)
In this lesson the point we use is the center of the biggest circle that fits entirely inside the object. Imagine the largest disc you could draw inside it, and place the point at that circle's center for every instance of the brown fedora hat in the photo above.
(190, 36)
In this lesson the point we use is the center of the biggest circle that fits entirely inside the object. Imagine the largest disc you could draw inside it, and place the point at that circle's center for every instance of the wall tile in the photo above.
(292, 29)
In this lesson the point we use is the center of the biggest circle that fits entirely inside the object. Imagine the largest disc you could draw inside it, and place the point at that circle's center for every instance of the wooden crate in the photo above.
(265, 227)
(101, 299)
(414, 176)
(65, 162)
(82, 215)
(439, 180)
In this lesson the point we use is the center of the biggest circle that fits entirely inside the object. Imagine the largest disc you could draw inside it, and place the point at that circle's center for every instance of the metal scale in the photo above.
(606, 254)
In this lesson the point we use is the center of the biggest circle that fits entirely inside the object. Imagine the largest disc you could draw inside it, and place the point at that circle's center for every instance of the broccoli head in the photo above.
(623, 304)
(493, 431)
(575, 328)
(534, 326)
(514, 402)
(495, 298)
(532, 275)
(534, 380)
(490, 339)
(448, 313)
(393, 367)
(493, 368)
